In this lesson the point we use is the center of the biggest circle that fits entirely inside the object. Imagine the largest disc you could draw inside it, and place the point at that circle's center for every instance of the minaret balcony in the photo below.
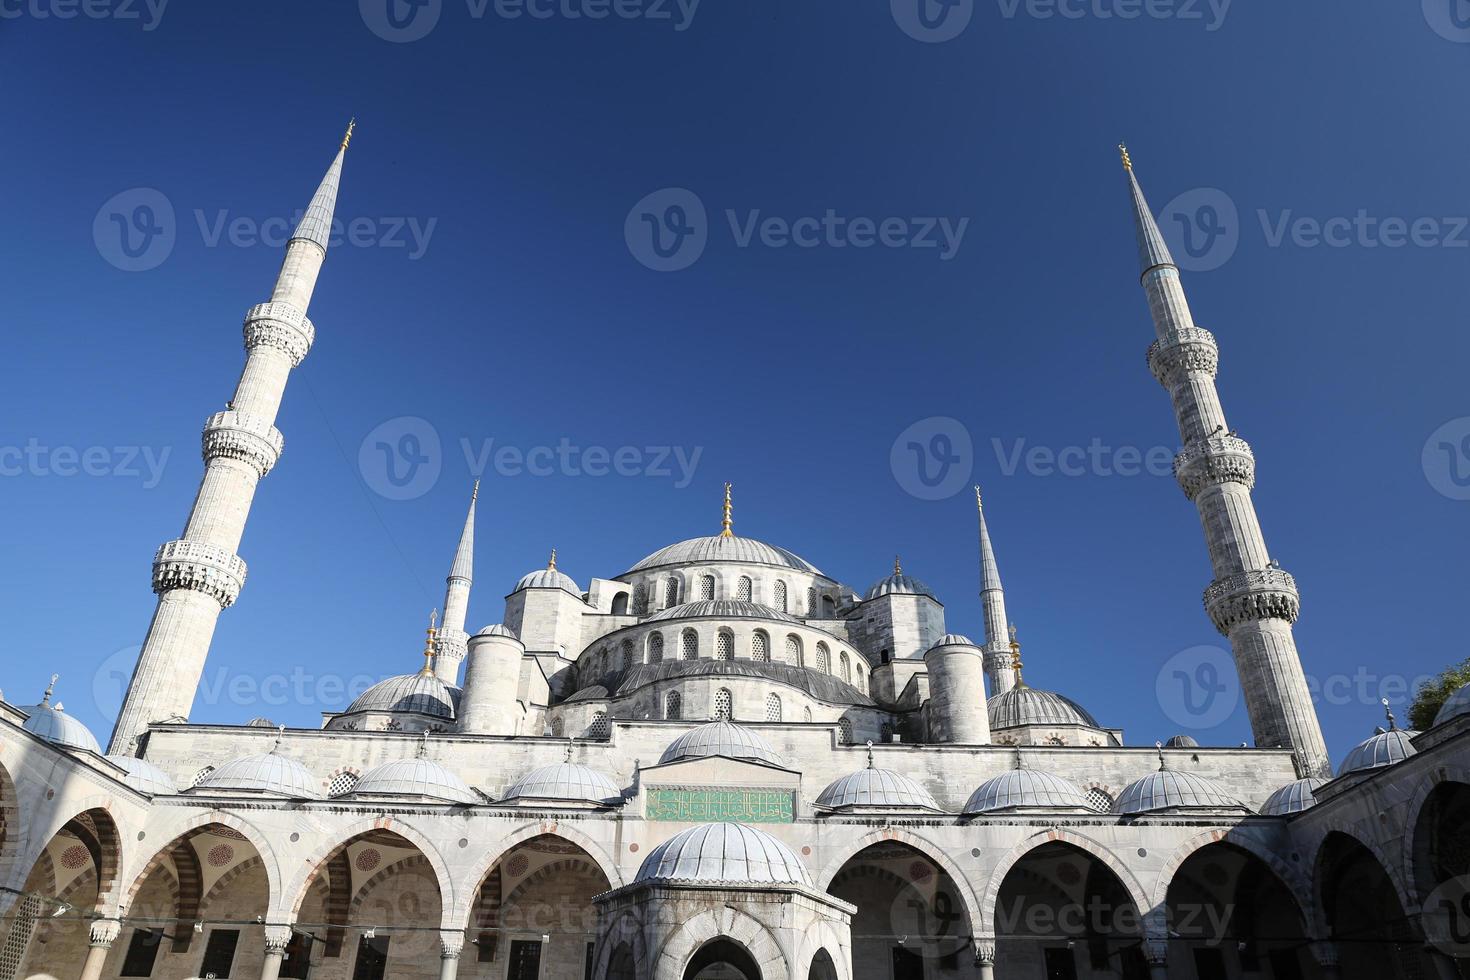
(1260, 593)
(282, 326)
(1188, 350)
(1213, 461)
(201, 567)
(247, 438)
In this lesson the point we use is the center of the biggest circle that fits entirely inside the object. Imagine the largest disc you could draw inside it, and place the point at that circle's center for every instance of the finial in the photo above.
(475, 493)
(1016, 656)
(424, 744)
(1162, 764)
(347, 136)
(897, 566)
(1127, 160)
(1020, 763)
(870, 753)
(1392, 722)
(571, 743)
(551, 562)
(431, 632)
(280, 734)
(979, 502)
(727, 523)
(46, 698)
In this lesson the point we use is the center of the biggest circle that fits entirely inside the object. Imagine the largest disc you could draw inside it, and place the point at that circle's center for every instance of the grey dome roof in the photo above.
(1172, 789)
(1457, 704)
(878, 788)
(1294, 797)
(414, 777)
(724, 739)
(269, 773)
(953, 640)
(721, 609)
(565, 781)
(1025, 789)
(499, 629)
(899, 584)
(815, 683)
(549, 578)
(143, 776)
(1024, 705)
(723, 852)
(717, 548)
(49, 722)
(421, 693)
(1383, 749)
(1182, 742)
(260, 722)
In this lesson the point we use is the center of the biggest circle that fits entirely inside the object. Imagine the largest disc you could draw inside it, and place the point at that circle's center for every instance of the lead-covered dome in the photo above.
(1171, 789)
(881, 789)
(1457, 704)
(549, 578)
(272, 774)
(721, 609)
(1384, 749)
(724, 853)
(49, 722)
(1025, 789)
(1024, 705)
(899, 584)
(420, 693)
(724, 739)
(414, 777)
(1294, 797)
(717, 548)
(144, 776)
(566, 782)
(1182, 742)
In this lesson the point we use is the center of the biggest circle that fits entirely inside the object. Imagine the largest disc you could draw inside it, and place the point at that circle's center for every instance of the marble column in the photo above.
(451, 944)
(100, 937)
(277, 938)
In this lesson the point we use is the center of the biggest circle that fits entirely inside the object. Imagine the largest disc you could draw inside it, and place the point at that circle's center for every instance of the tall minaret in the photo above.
(1000, 666)
(200, 574)
(1252, 600)
(452, 642)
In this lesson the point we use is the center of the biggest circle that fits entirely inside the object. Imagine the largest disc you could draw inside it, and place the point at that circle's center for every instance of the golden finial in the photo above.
(1016, 656)
(551, 562)
(897, 565)
(347, 136)
(475, 493)
(727, 523)
(429, 644)
(1127, 160)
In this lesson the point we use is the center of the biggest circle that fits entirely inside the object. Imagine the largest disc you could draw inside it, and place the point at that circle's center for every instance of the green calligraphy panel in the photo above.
(711, 805)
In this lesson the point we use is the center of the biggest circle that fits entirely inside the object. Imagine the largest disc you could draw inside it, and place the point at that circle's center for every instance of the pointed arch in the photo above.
(924, 846)
(986, 923)
(300, 883)
(186, 828)
(725, 924)
(1437, 777)
(1296, 886)
(475, 877)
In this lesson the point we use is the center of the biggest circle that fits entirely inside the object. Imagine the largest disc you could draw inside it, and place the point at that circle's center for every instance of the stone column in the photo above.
(1156, 951)
(277, 938)
(1325, 953)
(985, 958)
(450, 946)
(100, 937)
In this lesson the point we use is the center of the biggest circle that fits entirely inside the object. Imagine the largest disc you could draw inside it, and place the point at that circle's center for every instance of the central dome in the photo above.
(723, 852)
(717, 548)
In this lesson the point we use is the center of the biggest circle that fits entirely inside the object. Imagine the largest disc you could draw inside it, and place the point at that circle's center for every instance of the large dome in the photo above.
(270, 773)
(1170, 789)
(421, 693)
(1454, 706)
(728, 853)
(414, 777)
(143, 776)
(59, 728)
(721, 609)
(1383, 749)
(877, 788)
(716, 548)
(1027, 706)
(565, 782)
(723, 739)
(1025, 789)
(1294, 797)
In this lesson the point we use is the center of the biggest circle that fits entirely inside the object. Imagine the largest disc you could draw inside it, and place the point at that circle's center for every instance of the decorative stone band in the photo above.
(1263, 593)
(217, 573)
(1191, 349)
(248, 438)
(451, 644)
(1210, 462)
(281, 326)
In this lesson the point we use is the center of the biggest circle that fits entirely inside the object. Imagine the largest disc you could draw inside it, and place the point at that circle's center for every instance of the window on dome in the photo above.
(1099, 801)
(689, 645)
(793, 650)
(707, 587)
(844, 664)
(640, 601)
(673, 706)
(671, 593)
(760, 647)
(779, 597)
(773, 707)
(342, 783)
(824, 658)
(626, 654)
(844, 731)
(724, 645)
(743, 588)
(655, 648)
(724, 704)
(600, 729)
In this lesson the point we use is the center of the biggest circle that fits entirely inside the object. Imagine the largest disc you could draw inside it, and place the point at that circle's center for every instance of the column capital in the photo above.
(1325, 953)
(451, 944)
(1156, 951)
(985, 950)
(103, 932)
(277, 937)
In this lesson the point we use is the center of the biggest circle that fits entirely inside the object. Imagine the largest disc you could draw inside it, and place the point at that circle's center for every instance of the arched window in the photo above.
(806, 715)
(600, 729)
(824, 658)
(724, 645)
(778, 599)
(793, 650)
(844, 664)
(811, 602)
(626, 655)
(620, 604)
(885, 734)
(706, 587)
(342, 783)
(689, 645)
(640, 601)
(671, 593)
(844, 731)
(655, 648)
(773, 707)
(1099, 801)
(829, 607)
(673, 706)
(724, 705)
(760, 647)
(557, 727)
(743, 588)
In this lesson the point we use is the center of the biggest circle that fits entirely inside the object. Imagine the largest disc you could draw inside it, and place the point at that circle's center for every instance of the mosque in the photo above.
(723, 763)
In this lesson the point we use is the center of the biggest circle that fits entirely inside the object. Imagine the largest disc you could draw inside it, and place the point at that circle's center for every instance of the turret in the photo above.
(956, 710)
(492, 681)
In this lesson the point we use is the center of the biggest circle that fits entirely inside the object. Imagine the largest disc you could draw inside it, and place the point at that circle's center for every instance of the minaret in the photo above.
(452, 642)
(200, 574)
(999, 662)
(1252, 600)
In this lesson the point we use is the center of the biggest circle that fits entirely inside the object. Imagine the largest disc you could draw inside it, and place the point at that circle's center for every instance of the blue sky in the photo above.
(1307, 156)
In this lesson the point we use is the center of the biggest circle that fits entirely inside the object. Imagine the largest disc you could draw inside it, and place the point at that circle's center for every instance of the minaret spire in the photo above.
(200, 574)
(452, 642)
(998, 660)
(1252, 600)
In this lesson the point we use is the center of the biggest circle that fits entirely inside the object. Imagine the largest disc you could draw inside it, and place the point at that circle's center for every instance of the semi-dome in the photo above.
(1182, 742)
(877, 789)
(1024, 705)
(414, 777)
(567, 782)
(1025, 789)
(1457, 704)
(899, 584)
(500, 629)
(270, 773)
(724, 739)
(421, 693)
(724, 853)
(1294, 797)
(721, 609)
(1171, 789)
(144, 776)
(1384, 749)
(549, 578)
(717, 548)
(49, 722)
(815, 683)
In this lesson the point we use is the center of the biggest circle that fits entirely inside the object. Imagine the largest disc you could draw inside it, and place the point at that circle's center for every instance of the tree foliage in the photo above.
(1432, 694)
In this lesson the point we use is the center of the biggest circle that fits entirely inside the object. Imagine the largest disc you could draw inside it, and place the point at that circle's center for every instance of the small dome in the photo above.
(953, 640)
(1181, 742)
(59, 728)
(899, 584)
(269, 773)
(1383, 749)
(1294, 797)
(414, 777)
(1024, 705)
(723, 852)
(724, 739)
(500, 629)
(549, 578)
(420, 693)
(721, 609)
(1454, 706)
(1025, 789)
(1171, 789)
(261, 722)
(567, 781)
(717, 548)
(143, 776)
(878, 788)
